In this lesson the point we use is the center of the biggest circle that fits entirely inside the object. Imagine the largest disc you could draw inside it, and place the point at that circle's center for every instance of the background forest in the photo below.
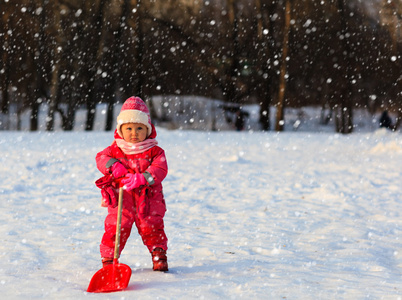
(74, 54)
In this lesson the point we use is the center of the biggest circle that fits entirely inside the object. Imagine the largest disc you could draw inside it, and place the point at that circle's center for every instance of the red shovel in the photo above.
(114, 277)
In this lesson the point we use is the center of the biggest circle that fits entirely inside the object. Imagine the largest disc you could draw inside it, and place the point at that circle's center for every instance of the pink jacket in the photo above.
(151, 163)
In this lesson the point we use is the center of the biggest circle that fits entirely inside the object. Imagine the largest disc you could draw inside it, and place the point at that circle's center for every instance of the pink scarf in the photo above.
(130, 148)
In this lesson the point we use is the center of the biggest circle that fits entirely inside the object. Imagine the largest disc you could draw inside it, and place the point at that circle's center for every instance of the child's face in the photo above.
(134, 132)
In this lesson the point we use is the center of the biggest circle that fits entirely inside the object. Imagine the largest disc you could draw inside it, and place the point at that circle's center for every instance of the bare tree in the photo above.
(280, 116)
(52, 9)
(344, 109)
(5, 70)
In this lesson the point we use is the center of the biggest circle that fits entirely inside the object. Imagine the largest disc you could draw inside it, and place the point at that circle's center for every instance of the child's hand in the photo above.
(118, 170)
(133, 181)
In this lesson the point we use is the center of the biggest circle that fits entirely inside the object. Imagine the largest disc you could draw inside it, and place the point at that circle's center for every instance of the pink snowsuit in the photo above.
(145, 206)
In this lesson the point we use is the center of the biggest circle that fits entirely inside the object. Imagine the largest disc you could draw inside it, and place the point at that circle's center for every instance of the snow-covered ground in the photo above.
(251, 215)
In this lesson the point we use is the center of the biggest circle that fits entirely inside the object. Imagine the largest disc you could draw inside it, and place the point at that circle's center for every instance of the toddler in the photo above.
(135, 157)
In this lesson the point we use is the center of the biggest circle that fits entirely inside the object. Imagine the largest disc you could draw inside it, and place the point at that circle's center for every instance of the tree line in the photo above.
(75, 53)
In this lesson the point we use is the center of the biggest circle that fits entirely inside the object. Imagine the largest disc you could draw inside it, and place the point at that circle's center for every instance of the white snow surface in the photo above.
(251, 215)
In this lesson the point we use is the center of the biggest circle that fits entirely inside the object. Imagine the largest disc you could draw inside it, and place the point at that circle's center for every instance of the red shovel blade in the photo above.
(112, 278)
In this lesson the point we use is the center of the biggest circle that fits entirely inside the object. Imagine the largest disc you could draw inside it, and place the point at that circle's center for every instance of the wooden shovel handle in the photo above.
(118, 225)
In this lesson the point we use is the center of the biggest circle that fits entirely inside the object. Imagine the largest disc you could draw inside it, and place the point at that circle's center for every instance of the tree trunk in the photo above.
(5, 97)
(265, 119)
(95, 55)
(343, 119)
(4, 77)
(109, 115)
(54, 85)
(53, 96)
(34, 114)
(280, 116)
(70, 114)
(4, 121)
(91, 110)
(230, 85)
(263, 84)
(344, 114)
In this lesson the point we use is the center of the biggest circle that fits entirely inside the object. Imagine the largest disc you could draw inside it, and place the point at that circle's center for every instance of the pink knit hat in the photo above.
(134, 110)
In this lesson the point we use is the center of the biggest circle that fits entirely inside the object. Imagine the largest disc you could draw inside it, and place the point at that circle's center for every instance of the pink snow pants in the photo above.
(150, 226)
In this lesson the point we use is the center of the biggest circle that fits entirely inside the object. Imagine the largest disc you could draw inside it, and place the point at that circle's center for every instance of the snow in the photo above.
(251, 215)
